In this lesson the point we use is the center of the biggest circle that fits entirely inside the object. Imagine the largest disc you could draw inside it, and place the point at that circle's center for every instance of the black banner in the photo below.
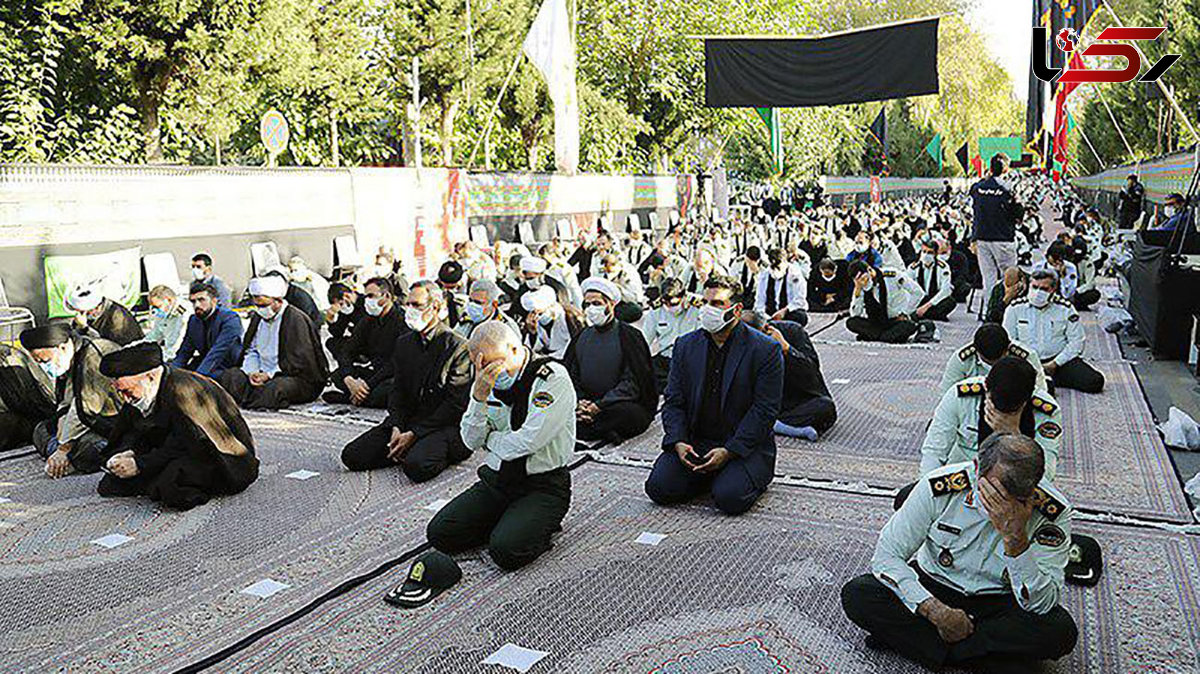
(866, 65)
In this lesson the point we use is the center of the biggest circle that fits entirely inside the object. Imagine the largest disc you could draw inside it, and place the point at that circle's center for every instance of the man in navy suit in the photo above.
(719, 410)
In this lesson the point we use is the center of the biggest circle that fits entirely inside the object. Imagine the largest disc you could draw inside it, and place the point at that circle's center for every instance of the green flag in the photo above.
(770, 117)
(934, 148)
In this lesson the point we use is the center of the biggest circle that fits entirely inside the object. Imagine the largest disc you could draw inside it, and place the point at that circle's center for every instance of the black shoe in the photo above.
(336, 398)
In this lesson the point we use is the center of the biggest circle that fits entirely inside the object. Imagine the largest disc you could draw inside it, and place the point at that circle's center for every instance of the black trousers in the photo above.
(662, 370)
(276, 394)
(1078, 375)
(1004, 632)
(616, 423)
(428, 457)
(819, 412)
(1083, 301)
(377, 398)
(941, 310)
(516, 519)
(732, 489)
(895, 331)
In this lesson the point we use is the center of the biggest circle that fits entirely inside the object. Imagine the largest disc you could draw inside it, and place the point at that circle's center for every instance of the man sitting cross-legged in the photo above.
(722, 399)
(990, 344)
(609, 362)
(427, 398)
(970, 571)
(282, 359)
(179, 438)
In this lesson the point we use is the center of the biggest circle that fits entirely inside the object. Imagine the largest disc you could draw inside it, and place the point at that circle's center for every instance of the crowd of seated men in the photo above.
(518, 354)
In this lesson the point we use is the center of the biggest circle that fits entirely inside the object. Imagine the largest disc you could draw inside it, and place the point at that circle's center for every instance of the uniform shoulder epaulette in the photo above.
(1043, 405)
(1019, 352)
(1059, 300)
(966, 352)
(545, 371)
(889, 274)
(942, 263)
(942, 485)
(1019, 300)
(914, 264)
(970, 388)
(1047, 504)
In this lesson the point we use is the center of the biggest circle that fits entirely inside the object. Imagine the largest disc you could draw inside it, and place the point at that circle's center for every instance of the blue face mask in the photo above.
(158, 313)
(505, 381)
(475, 312)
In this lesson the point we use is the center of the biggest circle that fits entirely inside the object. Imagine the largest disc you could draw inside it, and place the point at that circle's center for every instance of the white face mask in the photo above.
(533, 283)
(927, 258)
(267, 313)
(596, 314)
(146, 402)
(828, 277)
(197, 274)
(415, 319)
(373, 306)
(347, 308)
(545, 319)
(860, 247)
(714, 319)
(52, 369)
(1169, 211)
(1039, 297)
(778, 273)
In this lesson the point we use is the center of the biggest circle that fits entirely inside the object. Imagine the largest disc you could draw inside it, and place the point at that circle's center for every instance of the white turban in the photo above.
(539, 300)
(269, 286)
(533, 265)
(85, 297)
(602, 286)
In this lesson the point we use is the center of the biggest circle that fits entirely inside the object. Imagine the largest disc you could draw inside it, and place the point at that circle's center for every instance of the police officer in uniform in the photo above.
(990, 344)
(932, 274)
(522, 415)
(990, 541)
(1050, 325)
(675, 316)
(882, 304)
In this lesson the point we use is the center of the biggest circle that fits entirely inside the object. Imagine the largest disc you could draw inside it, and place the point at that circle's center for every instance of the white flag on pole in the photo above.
(551, 50)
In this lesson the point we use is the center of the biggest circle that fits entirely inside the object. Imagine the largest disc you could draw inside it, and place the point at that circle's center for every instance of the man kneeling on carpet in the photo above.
(990, 541)
(806, 409)
(719, 410)
(179, 437)
(522, 414)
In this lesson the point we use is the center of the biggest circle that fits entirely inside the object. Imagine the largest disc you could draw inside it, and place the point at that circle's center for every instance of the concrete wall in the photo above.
(417, 214)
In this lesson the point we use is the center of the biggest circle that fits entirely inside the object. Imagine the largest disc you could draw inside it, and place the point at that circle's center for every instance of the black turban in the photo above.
(133, 359)
(451, 273)
(45, 336)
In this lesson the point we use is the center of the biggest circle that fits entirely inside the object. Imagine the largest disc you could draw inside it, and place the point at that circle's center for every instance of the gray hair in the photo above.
(487, 287)
(1043, 273)
(1020, 457)
(435, 292)
(755, 319)
(491, 336)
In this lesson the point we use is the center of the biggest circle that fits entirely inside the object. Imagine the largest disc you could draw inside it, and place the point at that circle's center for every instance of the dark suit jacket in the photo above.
(751, 395)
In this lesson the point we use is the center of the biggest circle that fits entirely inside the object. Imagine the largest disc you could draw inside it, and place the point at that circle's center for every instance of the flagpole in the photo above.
(1162, 87)
(1090, 146)
(1113, 117)
(487, 131)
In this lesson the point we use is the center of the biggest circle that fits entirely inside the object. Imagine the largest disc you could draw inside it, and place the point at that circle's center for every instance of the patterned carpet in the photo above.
(172, 594)
(758, 593)
(1112, 457)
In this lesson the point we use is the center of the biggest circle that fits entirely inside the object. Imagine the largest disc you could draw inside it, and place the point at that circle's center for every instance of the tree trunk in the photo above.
(449, 110)
(151, 80)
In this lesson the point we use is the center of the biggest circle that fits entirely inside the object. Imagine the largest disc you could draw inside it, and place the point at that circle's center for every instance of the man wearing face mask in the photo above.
(102, 317)
(781, 291)
(202, 271)
(829, 290)
(990, 343)
(864, 251)
(212, 342)
(882, 303)
(695, 275)
(72, 439)
(170, 318)
(282, 361)
(548, 326)
(521, 414)
(26, 397)
(933, 277)
(533, 277)
(625, 278)
(483, 304)
(637, 249)
(609, 362)
(179, 438)
(746, 271)
(674, 317)
(364, 374)
(1051, 327)
(346, 310)
(719, 410)
(421, 432)
(1131, 201)
(1173, 213)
